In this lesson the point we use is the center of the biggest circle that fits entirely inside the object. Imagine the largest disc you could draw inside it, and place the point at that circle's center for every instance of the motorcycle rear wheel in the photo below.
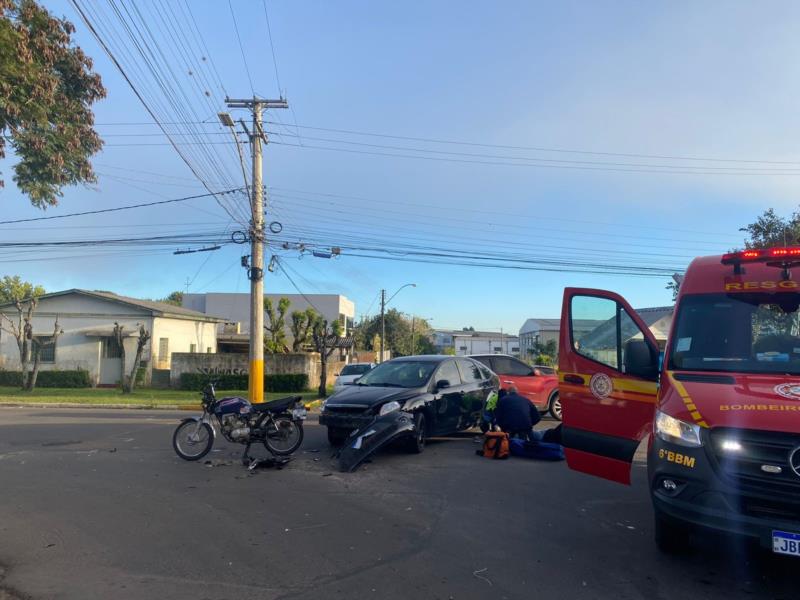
(283, 435)
(191, 442)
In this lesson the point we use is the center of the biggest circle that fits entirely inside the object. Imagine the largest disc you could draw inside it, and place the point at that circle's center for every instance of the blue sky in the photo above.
(678, 79)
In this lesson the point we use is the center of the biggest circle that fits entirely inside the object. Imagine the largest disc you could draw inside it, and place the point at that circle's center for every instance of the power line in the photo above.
(118, 208)
(241, 48)
(543, 149)
(272, 47)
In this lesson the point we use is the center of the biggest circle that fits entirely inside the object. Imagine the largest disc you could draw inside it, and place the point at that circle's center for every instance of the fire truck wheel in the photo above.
(671, 536)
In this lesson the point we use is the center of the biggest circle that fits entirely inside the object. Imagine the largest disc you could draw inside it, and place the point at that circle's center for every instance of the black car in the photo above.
(438, 394)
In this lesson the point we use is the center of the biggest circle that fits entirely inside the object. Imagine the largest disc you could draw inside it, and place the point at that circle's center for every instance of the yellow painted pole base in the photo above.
(256, 382)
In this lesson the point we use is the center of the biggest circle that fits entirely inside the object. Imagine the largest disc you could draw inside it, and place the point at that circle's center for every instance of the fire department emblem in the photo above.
(788, 390)
(600, 385)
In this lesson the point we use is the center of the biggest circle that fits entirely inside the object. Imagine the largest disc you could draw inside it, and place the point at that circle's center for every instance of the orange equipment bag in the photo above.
(495, 445)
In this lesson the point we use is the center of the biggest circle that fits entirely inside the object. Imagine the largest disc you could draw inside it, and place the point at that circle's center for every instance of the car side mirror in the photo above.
(536, 372)
(336, 374)
(442, 383)
(639, 360)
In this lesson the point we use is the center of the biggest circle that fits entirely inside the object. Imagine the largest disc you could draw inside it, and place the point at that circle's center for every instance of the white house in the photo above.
(475, 342)
(87, 319)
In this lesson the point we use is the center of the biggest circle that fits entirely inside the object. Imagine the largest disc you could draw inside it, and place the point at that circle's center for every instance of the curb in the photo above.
(116, 406)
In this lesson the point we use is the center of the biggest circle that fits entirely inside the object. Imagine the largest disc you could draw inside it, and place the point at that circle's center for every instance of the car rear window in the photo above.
(504, 365)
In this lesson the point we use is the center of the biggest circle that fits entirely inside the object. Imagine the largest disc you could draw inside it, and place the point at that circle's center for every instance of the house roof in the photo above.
(158, 309)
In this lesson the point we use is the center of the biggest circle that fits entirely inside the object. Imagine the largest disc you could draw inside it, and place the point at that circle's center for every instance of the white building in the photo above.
(235, 310)
(475, 342)
(87, 319)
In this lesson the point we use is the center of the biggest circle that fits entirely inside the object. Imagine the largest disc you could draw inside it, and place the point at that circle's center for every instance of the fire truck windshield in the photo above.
(742, 332)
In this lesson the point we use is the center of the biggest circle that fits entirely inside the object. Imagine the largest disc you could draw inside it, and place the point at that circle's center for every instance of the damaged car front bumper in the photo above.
(377, 433)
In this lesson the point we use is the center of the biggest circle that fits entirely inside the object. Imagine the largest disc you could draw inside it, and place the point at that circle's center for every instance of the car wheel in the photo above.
(672, 537)
(417, 443)
(554, 406)
(337, 436)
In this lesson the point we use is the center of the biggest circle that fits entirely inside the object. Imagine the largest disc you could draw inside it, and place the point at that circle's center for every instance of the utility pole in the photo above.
(413, 336)
(255, 273)
(383, 322)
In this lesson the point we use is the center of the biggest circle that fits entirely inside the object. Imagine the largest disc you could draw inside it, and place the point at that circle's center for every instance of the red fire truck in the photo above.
(721, 400)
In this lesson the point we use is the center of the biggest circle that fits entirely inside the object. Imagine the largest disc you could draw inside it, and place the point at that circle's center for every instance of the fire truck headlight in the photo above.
(675, 431)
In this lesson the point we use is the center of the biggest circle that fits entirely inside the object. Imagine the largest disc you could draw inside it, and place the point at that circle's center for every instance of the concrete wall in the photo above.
(467, 344)
(238, 364)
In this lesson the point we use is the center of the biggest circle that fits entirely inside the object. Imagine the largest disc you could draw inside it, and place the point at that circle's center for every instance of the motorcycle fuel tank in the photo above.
(233, 406)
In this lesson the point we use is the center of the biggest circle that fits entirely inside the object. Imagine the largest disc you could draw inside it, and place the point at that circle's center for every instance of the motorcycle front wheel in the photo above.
(192, 440)
(283, 435)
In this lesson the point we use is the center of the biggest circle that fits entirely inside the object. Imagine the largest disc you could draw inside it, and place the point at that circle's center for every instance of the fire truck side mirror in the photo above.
(640, 360)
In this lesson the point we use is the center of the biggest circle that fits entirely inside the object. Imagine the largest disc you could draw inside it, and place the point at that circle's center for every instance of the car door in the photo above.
(447, 400)
(476, 388)
(607, 382)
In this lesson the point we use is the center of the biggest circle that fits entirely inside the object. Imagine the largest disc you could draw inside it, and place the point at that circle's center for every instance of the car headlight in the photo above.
(322, 406)
(389, 407)
(676, 431)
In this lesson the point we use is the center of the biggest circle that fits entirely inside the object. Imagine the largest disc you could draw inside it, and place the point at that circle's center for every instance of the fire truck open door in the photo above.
(608, 370)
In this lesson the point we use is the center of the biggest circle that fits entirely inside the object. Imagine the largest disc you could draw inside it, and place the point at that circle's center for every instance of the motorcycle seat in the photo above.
(278, 405)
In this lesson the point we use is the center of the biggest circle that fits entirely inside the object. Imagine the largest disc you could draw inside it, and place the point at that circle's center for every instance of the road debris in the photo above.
(479, 576)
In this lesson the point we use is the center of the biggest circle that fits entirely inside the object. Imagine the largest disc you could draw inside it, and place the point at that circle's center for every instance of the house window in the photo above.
(464, 348)
(208, 350)
(514, 349)
(163, 349)
(497, 348)
(47, 348)
(192, 348)
(111, 348)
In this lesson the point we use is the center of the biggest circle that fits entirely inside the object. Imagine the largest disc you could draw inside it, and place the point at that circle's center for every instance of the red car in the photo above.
(537, 384)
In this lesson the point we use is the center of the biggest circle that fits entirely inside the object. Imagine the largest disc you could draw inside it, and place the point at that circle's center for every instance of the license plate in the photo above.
(784, 542)
(299, 413)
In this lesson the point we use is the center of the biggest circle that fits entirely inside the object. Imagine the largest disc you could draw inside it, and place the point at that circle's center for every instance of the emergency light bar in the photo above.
(788, 253)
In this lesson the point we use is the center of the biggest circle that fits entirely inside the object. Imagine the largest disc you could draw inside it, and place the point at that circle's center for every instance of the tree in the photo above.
(13, 289)
(399, 338)
(175, 298)
(543, 354)
(47, 88)
(770, 230)
(302, 321)
(326, 338)
(24, 296)
(275, 326)
(38, 345)
(129, 381)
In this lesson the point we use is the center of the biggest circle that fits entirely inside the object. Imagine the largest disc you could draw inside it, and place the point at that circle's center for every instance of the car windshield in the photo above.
(401, 373)
(355, 370)
(741, 332)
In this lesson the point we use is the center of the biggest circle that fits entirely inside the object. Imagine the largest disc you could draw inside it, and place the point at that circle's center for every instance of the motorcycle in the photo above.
(277, 424)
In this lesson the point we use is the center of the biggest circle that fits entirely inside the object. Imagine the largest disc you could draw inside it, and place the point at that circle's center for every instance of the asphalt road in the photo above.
(94, 504)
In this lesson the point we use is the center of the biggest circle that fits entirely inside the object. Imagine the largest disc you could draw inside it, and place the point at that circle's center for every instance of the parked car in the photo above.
(350, 373)
(537, 384)
(442, 394)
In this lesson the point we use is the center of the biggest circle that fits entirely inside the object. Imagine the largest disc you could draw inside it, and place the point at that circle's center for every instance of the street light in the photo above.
(384, 302)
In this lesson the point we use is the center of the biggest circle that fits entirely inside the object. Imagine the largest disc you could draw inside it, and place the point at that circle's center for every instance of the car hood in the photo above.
(766, 402)
(371, 396)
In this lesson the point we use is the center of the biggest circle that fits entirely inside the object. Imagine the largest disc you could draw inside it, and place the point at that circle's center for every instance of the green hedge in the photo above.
(49, 379)
(285, 382)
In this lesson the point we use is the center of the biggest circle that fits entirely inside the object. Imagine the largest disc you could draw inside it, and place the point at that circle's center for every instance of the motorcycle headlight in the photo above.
(676, 431)
(389, 407)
